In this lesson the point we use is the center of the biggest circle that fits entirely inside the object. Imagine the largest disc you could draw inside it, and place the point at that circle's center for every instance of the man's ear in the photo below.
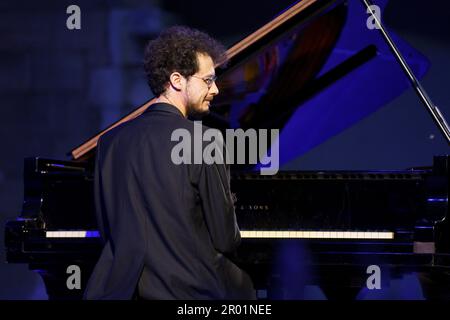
(176, 81)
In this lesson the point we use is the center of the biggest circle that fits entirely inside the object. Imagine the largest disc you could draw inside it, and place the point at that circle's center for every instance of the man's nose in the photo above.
(214, 90)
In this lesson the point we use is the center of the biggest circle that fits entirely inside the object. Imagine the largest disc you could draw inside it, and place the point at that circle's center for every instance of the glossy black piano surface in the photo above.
(312, 76)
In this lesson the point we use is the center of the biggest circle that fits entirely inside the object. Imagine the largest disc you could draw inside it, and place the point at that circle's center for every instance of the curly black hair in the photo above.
(175, 49)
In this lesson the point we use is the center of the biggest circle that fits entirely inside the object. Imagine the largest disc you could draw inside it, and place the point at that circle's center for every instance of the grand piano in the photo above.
(313, 71)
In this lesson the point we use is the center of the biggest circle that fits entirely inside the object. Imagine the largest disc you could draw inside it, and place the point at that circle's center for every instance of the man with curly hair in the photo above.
(167, 228)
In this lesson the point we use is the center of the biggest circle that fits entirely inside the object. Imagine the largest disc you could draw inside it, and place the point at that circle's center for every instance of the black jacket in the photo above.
(165, 227)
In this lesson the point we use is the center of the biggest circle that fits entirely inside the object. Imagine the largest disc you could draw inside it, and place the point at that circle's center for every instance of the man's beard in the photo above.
(196, 113)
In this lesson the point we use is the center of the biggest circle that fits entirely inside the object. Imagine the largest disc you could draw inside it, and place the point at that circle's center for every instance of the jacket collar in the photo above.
(163, 107)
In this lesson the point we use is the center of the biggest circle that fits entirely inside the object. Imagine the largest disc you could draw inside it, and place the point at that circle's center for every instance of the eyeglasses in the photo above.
(208, 80)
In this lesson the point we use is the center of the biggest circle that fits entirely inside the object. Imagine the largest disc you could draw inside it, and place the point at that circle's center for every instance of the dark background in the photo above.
(59, 87)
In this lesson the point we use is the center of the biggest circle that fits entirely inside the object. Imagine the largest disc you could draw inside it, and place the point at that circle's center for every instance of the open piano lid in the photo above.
(312, 72)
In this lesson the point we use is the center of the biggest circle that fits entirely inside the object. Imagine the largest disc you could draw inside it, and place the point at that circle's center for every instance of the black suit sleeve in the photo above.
(218, 207)
(99, 202)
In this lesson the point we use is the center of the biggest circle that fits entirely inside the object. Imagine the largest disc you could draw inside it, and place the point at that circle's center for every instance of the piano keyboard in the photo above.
(72, 234)
(317, 234)
(258, 234)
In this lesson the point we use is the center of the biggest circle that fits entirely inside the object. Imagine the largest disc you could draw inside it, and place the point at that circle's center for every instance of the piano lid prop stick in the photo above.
(432, 109)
